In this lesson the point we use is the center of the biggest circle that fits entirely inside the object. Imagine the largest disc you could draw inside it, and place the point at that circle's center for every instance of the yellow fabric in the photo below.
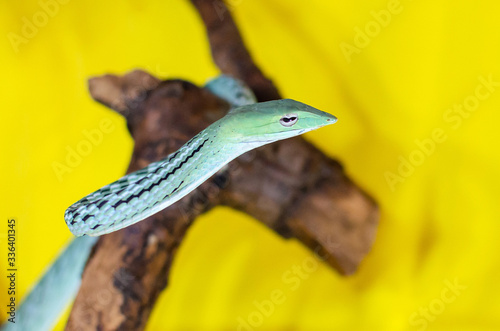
(395, 73)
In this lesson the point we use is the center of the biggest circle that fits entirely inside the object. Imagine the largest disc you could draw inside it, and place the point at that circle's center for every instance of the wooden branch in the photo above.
(129, 268)
(290, 186)
(321, 206)
(228, 50)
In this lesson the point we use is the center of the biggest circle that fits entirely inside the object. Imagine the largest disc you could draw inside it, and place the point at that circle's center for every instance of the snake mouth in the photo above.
(271, 139)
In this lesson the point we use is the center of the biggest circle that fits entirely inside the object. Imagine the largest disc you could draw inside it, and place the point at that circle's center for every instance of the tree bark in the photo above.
(290, 186)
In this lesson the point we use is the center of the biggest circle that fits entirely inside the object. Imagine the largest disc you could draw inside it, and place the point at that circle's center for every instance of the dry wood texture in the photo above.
(290, 186)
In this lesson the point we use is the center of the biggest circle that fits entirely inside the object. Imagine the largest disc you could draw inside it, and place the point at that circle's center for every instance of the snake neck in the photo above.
(204, 155)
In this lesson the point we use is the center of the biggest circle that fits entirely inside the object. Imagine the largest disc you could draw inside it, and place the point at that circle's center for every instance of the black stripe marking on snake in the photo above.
(171, 172)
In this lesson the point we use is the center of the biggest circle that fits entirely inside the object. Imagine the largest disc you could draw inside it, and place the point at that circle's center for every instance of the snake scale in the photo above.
(143, 193)
(245, 128)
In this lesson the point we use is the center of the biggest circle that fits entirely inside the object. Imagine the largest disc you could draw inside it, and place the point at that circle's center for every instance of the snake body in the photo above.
(143, 193)
(44, 303)
(41, 307)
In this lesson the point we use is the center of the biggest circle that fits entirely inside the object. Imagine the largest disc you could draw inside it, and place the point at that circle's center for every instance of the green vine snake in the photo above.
(140, 194)
(143, 193)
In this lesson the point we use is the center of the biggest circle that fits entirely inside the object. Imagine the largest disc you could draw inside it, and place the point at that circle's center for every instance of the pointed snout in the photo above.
(326, 119)
(330, 119)
(322, 118)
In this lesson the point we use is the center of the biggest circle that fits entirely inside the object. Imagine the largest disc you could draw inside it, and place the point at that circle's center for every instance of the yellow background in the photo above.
(440, 225)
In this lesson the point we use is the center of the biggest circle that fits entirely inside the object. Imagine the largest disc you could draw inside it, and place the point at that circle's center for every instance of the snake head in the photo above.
(266, 122)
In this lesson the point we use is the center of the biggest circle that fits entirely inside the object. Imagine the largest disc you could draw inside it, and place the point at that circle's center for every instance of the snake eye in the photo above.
(289, 120)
